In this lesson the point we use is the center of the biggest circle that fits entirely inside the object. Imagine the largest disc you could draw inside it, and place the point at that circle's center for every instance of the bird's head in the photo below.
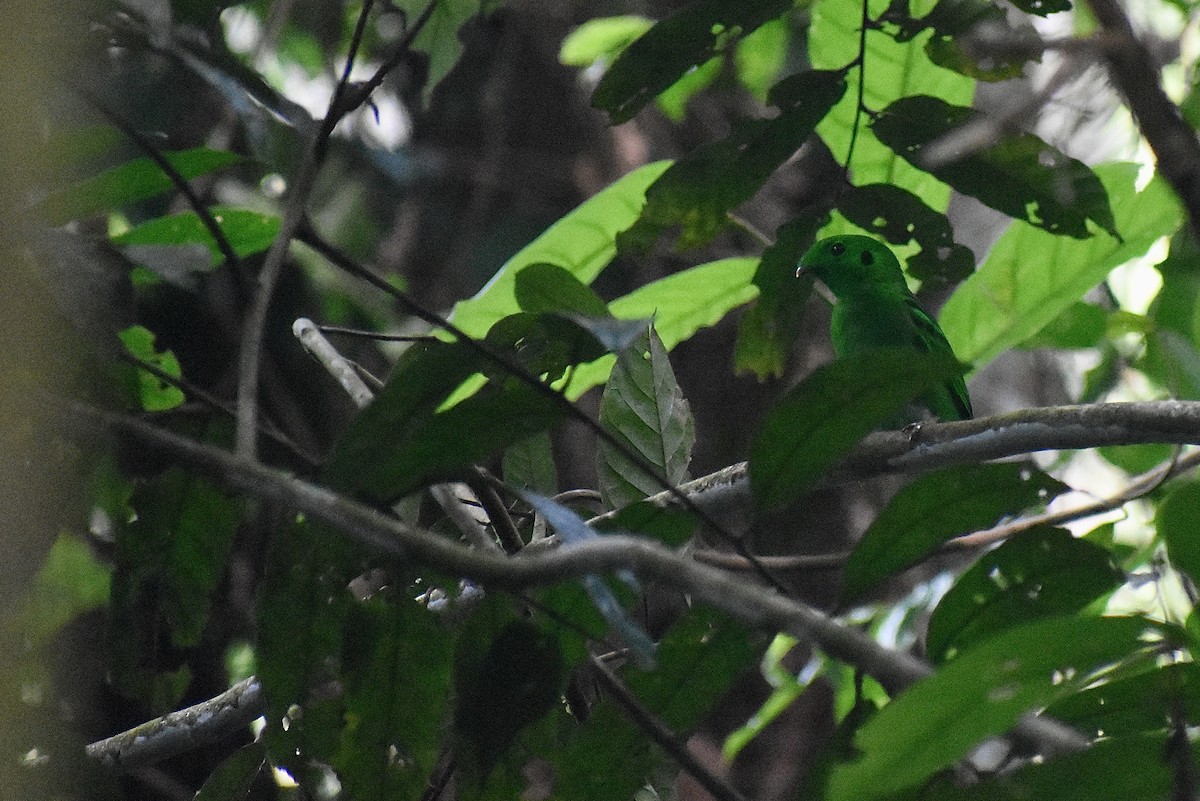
(850, 263)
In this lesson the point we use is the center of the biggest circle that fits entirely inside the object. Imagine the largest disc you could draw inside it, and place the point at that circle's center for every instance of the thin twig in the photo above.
(717, 786)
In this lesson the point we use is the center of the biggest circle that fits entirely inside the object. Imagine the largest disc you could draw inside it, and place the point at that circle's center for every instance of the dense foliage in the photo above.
(433, 550)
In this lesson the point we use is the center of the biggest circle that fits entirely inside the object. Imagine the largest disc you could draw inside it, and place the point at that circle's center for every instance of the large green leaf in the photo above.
(1031, 276)
(674, 46)
(1039, 573)
(1020, 175)
(983, 693)
(894, 69)
(700, 190)
(822, 418)
(938, 507)
(680, 304)
(644, 409)
(582, 242)
(131, 182)
(1136, 704)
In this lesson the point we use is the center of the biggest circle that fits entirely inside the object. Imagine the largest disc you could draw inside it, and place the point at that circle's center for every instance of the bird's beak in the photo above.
(803, 271)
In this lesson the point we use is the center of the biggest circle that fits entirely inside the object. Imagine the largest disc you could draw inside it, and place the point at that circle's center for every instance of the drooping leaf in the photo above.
(644, 409)
(680, 305)
(938, 507)
(582, 242)
(1177, 516)
(982, 693)
(1021, 175)
(698, 191)
(768, 329)
(144, 390)
(1031, 276)
(833, 42)
(674, 46)
(1039, 573)
(821, 419)
(128, 183)
(899, 216)
(247, 231)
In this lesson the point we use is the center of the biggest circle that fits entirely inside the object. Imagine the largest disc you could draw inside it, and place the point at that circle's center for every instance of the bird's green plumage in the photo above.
(875, 309)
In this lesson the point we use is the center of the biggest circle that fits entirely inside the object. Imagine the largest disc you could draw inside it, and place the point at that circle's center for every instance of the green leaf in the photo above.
(1080, 325)
(71, 581)
(234, 778)
(1177, 516)
(1031, 276)
(670, 525)
(1122, 769)
(1021, 175)
(680, 304)
(700, 190)
(601, 39)
(769, 328)
(439, 38)
(1136, 704)
(759, 57)
(644, 409)
(404, 439)
(938, 507)
(529, 465)
(144, 390)
(169, 562)
(833, 42)
(820, 420)
(899, 216)
(248, 232)
(129, 183)
(983, 693)
(582, 242)
(546, 287)
(674, 99)
(1039, 573)
(672, 47)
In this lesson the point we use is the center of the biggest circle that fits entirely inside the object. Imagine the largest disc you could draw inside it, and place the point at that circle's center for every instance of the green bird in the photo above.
(875, 309)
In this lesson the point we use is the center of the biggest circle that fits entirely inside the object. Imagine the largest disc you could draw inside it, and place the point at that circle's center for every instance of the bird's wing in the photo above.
(930, 339)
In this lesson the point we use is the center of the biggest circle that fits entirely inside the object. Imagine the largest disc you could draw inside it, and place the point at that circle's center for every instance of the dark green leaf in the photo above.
(1135, 459)
(666, 524)
(674, 46)
(953, 23)
(439, 39)
(502, 689)
(543, 287)
(899, 216)
(644, 409)
(1122, 769)
(1136, 704)
(938, 507)
(131, 182)
(698, 191)
(529, 465)
(545, 344)
(1039, 573)
(768, 329)
(983, 693)
(1021, 176)
(248, 232)
(820, 420)
(235, 777)
(1178, 518)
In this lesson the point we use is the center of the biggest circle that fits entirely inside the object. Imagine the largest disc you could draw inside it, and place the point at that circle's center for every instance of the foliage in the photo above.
(385, 676)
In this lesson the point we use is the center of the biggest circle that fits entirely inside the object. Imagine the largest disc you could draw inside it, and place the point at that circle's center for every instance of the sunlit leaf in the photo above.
(248, 232)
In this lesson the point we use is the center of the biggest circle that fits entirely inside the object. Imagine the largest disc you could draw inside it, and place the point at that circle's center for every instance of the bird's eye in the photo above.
(866, 258)
(837, 248)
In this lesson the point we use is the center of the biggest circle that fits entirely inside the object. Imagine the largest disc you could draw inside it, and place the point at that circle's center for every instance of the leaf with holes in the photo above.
(938, 507)
(1021, 175)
